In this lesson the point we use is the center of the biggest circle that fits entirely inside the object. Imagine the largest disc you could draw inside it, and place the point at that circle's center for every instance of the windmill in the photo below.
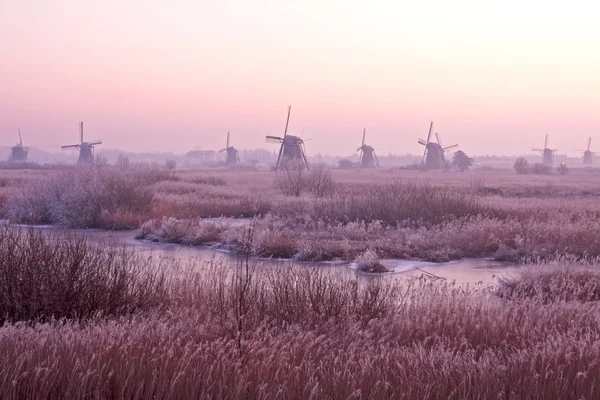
(86, 149)
(433, 156)
(368, 158)
(232, 153)
(588, 155)
(547, 154)
(18, 153)
(292, 147)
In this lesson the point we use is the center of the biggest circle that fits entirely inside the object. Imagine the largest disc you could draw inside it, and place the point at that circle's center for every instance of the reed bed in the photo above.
(245, 331)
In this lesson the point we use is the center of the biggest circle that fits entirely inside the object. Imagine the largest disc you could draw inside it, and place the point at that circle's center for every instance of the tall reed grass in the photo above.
(256, 332)
(45, 275)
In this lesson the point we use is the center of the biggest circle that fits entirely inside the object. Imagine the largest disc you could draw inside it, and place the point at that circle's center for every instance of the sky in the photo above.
(155, 75)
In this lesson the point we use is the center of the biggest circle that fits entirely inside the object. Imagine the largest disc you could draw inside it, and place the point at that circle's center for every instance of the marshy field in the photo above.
(294, 293)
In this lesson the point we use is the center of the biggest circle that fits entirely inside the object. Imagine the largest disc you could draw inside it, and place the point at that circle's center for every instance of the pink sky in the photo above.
(176, 75)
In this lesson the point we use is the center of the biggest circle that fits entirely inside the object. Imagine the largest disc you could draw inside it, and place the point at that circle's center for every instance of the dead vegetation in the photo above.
(90, 196)
(45, 276)
(254, 332)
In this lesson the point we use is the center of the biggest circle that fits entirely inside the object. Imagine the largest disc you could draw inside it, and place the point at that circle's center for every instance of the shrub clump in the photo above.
(521, 166)
(540, 169)
(397, 201)
(44, 275)
(369, 262)
(293, 180)
(90, 196)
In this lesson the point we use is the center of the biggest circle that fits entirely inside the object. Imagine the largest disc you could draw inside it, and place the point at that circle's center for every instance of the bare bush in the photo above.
(291, 179)
(90, 196)
(521, 166)
(45, 275)
(320, 181)
(369, 262)
(562, 169)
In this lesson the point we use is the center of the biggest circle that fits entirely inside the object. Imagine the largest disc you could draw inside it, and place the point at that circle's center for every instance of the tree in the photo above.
(521, 166)
(563, 169)
(345, 164)
(461, 160)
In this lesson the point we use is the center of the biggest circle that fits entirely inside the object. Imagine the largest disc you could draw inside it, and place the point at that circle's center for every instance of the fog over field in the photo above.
(299, 200)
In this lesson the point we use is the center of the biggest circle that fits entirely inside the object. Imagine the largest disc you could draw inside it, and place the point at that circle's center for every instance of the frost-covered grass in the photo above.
(511, 239)
(46, 275)
(244, 332)
(400, 214)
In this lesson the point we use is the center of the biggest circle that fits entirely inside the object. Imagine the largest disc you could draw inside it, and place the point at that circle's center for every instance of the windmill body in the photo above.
(547, 153)
(434, 153)
(548, 157)
(18, 153)
(435, 156)
(86, 153)
(231, 157)
(291, 150)
(86, 149)
(588, 155)
(368, 158)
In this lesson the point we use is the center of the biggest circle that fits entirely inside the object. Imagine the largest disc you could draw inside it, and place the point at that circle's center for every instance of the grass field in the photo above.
(82, 320)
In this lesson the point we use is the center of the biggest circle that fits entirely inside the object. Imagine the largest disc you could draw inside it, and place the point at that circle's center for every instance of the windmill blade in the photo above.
(589, 143)
(21, 139)
(222, 150)
(227, 146)
(279, 157)
(26, 148)
(537, 150)
(364, 134)
(303, 150)
(360, 157)
(376, 159)
(427, 142)
(429, 134)
(70, 146)
(423, 142)
(274, 139)
(94, 142)
(449, 147)
(81, 131)
(546, 142)
(360, 149)
(437, 136)
(287, 121)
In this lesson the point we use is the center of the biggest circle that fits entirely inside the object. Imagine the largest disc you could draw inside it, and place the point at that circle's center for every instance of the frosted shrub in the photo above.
(369, 262)
(320, 181)
(291, 179)
(89, 196)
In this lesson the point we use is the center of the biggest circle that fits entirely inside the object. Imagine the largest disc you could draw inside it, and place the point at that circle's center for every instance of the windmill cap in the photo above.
(291, 139)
